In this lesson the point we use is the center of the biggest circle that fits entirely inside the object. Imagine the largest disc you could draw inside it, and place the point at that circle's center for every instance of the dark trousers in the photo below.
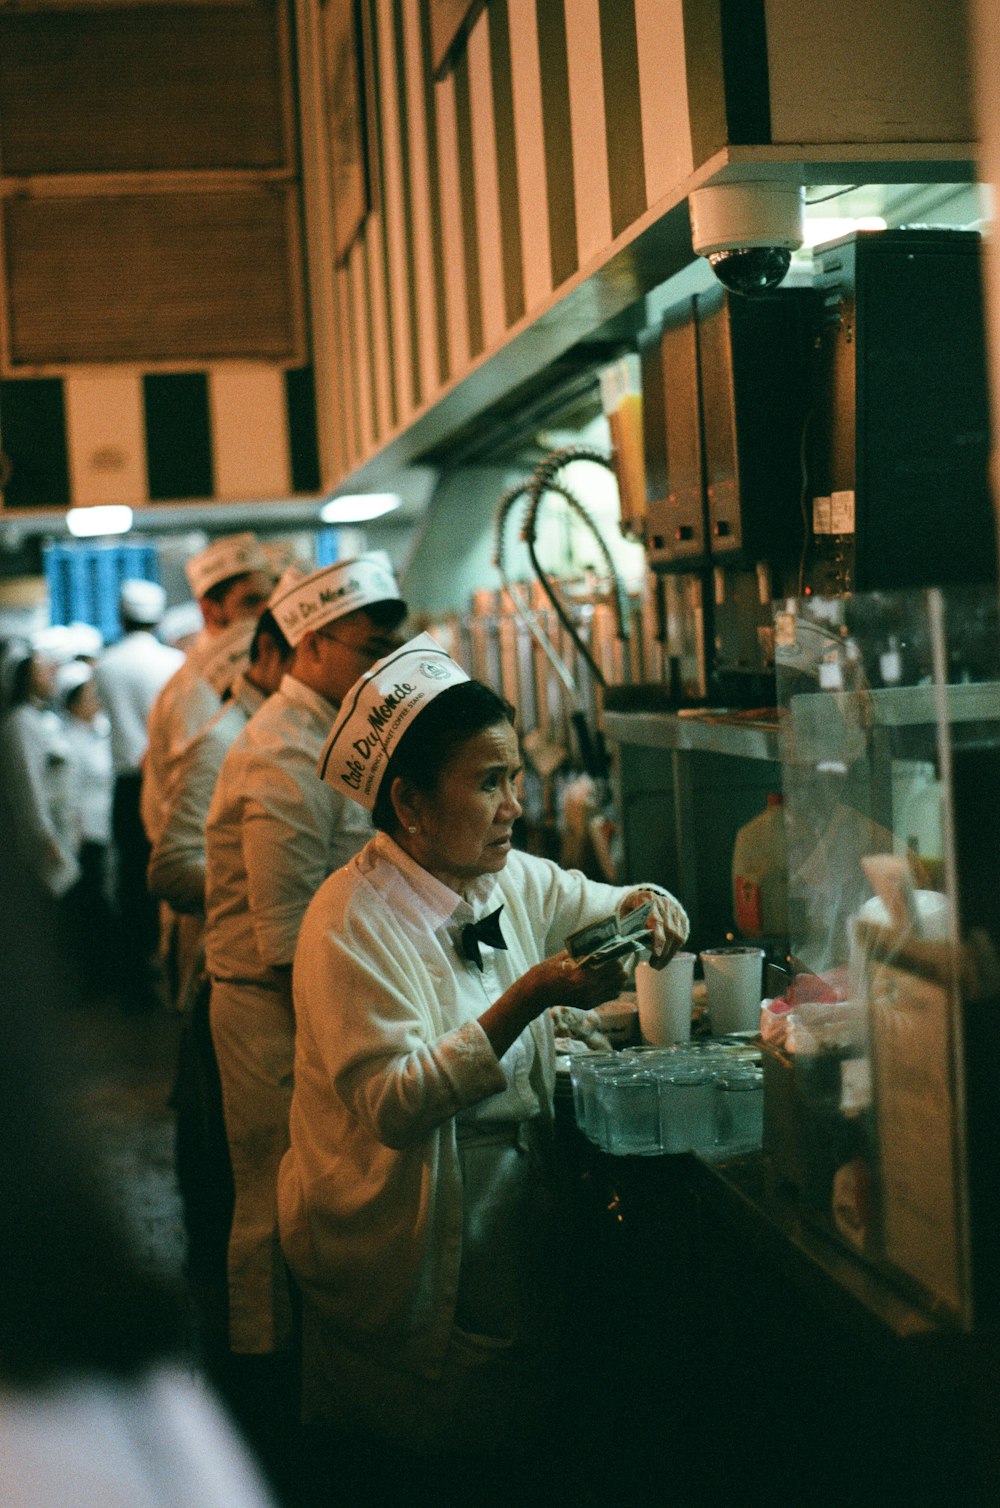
(204, 1176)
(89, 925)
(137, 910)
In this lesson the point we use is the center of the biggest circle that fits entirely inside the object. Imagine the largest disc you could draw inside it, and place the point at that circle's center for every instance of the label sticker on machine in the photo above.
(842, 513)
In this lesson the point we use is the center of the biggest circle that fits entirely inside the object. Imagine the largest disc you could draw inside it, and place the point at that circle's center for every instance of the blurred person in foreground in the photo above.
(412, 1202)
(99, 1406)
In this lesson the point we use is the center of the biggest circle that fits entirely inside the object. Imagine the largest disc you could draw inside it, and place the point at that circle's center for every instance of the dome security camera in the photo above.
(747, 232)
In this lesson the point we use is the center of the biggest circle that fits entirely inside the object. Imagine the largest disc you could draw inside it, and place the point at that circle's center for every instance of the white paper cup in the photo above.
(664, 1000)
(733, 986)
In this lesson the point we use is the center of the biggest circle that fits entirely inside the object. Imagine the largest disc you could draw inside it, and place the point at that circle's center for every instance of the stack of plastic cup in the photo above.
(687, 1120)
(739, 1109)
(629, 1110)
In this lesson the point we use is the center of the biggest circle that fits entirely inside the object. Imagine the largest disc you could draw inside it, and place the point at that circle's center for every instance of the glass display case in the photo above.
(883, 1051)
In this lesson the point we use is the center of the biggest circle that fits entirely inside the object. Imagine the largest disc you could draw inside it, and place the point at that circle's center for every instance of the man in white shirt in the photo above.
(273, 834)
(177, 876)
(129, 676)
(231, 580)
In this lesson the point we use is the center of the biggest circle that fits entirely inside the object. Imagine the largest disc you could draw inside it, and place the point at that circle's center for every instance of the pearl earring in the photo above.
(411, 829)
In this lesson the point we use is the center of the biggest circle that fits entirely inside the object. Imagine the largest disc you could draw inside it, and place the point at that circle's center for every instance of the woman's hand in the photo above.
(562, 980)
(667, 922)
(559, 980)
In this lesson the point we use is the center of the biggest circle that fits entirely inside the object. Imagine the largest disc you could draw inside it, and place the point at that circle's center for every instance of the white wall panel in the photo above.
(250, 456)
(527, 83)
(586, 102)
(487, 191)
(106, 437)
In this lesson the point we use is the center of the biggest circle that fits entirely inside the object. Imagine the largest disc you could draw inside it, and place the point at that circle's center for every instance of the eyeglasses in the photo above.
(369, 649)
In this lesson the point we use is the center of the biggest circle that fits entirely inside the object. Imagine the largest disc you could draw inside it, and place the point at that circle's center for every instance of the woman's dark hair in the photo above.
(20, 682)
(432, 740)
(220, 591)
(267, 625)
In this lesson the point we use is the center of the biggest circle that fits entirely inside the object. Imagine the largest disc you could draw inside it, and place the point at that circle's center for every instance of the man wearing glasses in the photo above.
(273, 834)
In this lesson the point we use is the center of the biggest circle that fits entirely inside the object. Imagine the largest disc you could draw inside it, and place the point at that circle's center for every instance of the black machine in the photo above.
(900, 440)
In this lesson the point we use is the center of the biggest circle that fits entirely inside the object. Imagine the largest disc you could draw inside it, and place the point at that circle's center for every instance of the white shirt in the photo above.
(89, 741)
(388, 1054)
(159, 1442)
(183, 707)
(37, 787)
(177, 863)
(128, 677)
(274, 832)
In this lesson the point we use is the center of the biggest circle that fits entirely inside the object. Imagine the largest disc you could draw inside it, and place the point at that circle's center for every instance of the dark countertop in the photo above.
(764, 1213)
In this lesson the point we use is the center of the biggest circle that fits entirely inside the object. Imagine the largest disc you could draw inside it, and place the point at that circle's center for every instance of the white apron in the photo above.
(253, 1029)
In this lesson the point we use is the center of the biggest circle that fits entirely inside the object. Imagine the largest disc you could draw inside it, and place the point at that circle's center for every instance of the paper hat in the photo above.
(377, 711)
(142, 601)
(88, 641)
(322, 596)
(226, 654)
(184, 620)
(71, 676)
(54, 643)
(232, 555)
(280, 554)
(293, 575)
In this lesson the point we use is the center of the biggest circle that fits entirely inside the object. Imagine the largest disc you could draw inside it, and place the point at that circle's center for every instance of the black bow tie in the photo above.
(486, 930)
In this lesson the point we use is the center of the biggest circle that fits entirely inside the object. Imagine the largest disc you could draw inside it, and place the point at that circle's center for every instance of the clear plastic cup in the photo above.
(629, 1108)
(582, 1071)
(687, 1119)
(739, 1109)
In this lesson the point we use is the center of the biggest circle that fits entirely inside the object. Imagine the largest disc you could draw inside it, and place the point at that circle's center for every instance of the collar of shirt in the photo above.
(301, 695)
(203, 645)
(443, 906)
(246, 694)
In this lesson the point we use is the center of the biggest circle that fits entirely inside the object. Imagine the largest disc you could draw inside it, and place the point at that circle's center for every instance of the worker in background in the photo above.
(128, 677)
(88, 735)
(177, 876)
(274, 832)
(231, 580)
(35, 786)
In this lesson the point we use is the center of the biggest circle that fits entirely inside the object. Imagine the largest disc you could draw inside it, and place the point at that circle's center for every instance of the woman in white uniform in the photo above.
(37, 778)
(424, 1070)
(88, 736)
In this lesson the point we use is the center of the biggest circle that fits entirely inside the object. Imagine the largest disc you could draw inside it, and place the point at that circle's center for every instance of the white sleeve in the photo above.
(360, 1002)
(35, 833)
(286, 845)
(177, 862)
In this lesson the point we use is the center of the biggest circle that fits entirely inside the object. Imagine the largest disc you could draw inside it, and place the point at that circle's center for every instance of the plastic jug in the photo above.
(760, 874)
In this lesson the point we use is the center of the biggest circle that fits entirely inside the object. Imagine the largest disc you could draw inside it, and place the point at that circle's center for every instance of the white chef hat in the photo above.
(142, 601)
(184, 620)
(301, 603)
(377, 711)
(280, 554)
(226, 654)
(232, 555)
(69, 677)
(88, 641)
(55, 643)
